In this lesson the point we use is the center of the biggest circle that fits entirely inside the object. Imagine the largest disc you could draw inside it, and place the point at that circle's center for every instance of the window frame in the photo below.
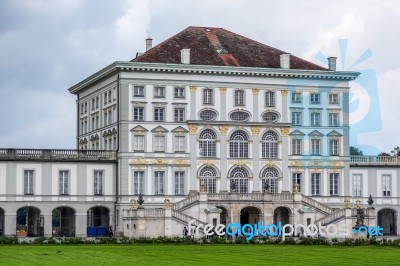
(159, 114)
(297, 146)
(179, 92)
(137, 145)
(312, 140)
(179, 114)
(334, 184)
(333, 98)
(270, 99)
(334, 149)
(296, 97)
(137, 185)
(157, 90)
(159, 189)
(357, 185)
(297, 118)
(208, 96)
(313, 97)
(331, 119)
(140, 113)
(157, 144)
(315, 121)
(239, 97)
(315, 184)
(386, 185)
(29, 182)
(98, 182)
(136, 91)
(179, 182)
(179, 145)
(63, 185)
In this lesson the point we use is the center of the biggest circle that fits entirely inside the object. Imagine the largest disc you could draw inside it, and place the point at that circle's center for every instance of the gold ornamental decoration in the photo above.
(138, 161)
(202, 187)
(159, 161)
(192, 129)
(285, 131)
(347, 203)
(193, 88)
(255, 131)
(255, 91)
(284, 92)
(223, 89)
(133, 203)
(180, 161)
(223, 130)
(167, 203)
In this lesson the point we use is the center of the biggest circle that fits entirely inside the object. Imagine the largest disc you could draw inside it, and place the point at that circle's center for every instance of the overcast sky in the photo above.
(48, 46)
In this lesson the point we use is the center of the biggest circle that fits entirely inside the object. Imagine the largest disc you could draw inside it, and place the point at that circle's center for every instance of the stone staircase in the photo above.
(332, 218)
(318, 206)
(186, 203)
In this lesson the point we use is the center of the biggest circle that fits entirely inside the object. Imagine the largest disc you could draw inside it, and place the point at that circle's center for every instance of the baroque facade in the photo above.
(212, 126)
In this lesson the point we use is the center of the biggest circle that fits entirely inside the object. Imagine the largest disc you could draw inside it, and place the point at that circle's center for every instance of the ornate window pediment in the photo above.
(334, 133)
(180, 130)
(139, 129)
(316, 133)
(297, 133)
(159, 129)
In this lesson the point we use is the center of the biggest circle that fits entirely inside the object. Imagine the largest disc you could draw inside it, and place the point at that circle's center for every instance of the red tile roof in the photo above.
(204, 44)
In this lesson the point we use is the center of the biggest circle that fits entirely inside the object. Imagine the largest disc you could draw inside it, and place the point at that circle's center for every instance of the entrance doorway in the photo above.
(98, 221)
(387, 220)
(282, 214)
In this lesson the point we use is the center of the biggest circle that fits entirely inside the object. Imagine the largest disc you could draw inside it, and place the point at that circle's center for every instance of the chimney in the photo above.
(332, 63)
(149, 44)
(285, 60)
(185, 56)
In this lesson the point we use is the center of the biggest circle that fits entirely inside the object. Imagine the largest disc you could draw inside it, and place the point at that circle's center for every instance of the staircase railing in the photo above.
(316, 204)
(332, 217)
(186, 201)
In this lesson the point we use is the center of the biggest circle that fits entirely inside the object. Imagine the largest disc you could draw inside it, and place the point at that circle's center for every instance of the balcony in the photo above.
(374, 160)
(56, 155)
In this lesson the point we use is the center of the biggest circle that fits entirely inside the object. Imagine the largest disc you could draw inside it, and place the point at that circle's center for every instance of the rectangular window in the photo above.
(270, 99)
(315, 119)
(159, 114)
(334, 147)
(314, 98)
(138, 143)
(296, 179)
(179, 145)
(315, 184)
(179, 183)
(98, 182)
(179, 114)
(138, 177)
(386, 180)
(296, 146)
(138, 113)
(138, 91)
(64, 183)
(272, 183)
(28, 182)
(159, 143)
(159, 183)
(334, 184)
(333, 98)
(159, 92)
(239, 98)
(296, 97)
(179, 92)
(333, 119)
(357, 191)
(208, 96)
(296, 118)
(315, 147)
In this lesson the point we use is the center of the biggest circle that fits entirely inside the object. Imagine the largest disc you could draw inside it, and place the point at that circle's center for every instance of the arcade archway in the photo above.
(249, 215)
(30, 221)
(1, 222)
(63, 221)
(282, 214)
(98, 221)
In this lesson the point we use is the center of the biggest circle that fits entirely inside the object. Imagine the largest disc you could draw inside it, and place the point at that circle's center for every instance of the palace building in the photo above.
(208, 126)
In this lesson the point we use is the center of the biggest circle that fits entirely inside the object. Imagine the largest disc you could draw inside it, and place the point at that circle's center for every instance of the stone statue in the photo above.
(370, 200)
(140, 201)
(266, 186)
(233, 186)
(360, 217)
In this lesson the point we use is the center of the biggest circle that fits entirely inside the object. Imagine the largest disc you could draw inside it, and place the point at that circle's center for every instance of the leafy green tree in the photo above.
(355, 151)
(396, 151)
(383, 154)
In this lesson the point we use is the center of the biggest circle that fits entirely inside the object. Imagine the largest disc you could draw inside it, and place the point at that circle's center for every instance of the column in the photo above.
(10, 224)
(193, 142)
(193, 158)
(81, 224)
(223, 130)
(256, 158)
(256, 114)
(48, 224)
(223, 103)
(193, 102)
(285, 143)
(285, 157)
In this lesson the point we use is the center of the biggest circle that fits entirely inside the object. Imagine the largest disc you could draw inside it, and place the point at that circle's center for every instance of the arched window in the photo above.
(207, 177)
(270, 179)
(239, 98)
(270, 145)
(208, 143)
(239, 145)
(239, 180)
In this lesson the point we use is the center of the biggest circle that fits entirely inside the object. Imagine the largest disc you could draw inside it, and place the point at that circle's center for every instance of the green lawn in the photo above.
(223, 255)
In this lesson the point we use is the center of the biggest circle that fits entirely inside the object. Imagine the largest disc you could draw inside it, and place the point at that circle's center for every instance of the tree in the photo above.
(383, 154)
(396, 151)
(355, 151)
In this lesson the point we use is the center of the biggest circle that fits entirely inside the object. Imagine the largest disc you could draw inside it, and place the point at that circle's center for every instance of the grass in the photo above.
(165, 254)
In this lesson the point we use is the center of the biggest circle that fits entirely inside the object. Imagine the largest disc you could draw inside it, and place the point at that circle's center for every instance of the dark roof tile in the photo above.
(204, 44)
